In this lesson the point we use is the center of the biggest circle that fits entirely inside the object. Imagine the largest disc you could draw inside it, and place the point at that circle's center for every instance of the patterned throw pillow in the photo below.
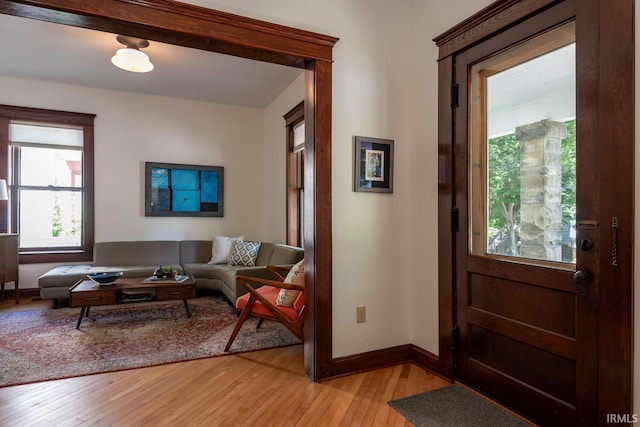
(245, 253)
(286, 297)
(221, 249)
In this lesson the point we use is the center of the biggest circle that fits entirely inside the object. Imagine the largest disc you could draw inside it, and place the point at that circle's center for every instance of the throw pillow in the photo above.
(244, 253)
(221, 249)
(286, 297)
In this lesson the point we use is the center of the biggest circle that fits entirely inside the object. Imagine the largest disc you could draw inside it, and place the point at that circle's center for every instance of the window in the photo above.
(523, 165)
(294, 120)
(47, 157)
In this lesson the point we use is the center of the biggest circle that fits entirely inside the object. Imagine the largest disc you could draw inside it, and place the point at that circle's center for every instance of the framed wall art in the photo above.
(373, 165)
(183, 190)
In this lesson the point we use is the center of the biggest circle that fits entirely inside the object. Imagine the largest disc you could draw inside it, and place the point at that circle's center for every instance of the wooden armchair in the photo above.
(261, 302)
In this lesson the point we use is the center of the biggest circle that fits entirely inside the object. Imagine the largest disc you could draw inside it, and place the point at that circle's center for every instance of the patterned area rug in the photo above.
(42, 345)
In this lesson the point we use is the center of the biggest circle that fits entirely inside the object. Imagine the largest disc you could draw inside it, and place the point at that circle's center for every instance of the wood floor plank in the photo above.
(345, 389)
(381, 416)
(364, 397)
(262, 388)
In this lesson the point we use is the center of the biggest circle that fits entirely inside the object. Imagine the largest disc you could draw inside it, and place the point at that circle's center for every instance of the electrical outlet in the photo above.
(361, 314)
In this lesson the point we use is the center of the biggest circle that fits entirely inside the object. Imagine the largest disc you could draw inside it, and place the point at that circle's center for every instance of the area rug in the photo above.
(44, 344)
(453, 406)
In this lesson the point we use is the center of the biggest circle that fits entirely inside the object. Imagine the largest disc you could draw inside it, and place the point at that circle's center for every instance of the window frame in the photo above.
(35, 115)
(478, 167)
(295, 178)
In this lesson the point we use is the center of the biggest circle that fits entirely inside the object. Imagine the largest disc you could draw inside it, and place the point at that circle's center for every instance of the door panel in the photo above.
(528, 400)
(519, 312)
(509, 319)
(518, 336)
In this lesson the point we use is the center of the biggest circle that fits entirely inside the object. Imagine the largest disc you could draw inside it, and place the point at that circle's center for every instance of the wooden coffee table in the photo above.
(87, 293)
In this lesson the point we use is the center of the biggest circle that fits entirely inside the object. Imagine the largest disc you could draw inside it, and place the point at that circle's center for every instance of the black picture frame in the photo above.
(373, 165)
(183, 190)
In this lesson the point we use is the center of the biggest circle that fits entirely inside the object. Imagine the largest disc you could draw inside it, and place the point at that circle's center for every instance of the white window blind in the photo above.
(24, 134)
(298, 137)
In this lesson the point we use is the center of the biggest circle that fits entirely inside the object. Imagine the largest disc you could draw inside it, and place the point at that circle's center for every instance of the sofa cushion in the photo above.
(67, 275)
(195, 251)
(285, 255)
(223, 272)
(64, 275)
(265, 253)
(244, 253)
(221, 249)
(286, 297)
(150, 252)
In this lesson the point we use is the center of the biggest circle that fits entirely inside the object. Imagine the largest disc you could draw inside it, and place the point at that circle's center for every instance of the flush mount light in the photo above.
(131, 58)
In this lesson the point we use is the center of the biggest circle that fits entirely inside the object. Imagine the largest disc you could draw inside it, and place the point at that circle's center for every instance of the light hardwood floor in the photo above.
(263, 388)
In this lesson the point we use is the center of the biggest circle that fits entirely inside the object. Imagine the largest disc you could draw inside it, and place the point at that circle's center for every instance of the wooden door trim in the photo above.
(493, 18)
(206, 29)
(184, 24)
(446, 213)
(610, 97)
(616, 132)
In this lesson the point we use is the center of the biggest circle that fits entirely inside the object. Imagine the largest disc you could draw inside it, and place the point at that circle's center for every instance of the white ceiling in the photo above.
(40, 50)
(539, 89)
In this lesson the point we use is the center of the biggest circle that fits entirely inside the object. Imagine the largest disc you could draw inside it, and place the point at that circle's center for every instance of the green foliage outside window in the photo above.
(504, 185)
(56, 227)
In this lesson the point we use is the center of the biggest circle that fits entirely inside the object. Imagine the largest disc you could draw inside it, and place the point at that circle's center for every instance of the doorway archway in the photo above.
(206, 29)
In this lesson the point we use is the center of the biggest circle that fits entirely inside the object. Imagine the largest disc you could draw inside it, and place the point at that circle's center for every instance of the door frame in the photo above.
(604, 31)
(207, 29)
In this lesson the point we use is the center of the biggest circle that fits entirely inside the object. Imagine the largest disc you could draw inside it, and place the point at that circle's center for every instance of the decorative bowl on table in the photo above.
(105, 278)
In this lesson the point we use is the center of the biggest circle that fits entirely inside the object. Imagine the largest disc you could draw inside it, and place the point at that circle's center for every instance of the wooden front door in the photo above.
(535, 235)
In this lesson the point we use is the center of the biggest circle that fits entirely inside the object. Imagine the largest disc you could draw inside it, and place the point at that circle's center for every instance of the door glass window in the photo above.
(523, 151)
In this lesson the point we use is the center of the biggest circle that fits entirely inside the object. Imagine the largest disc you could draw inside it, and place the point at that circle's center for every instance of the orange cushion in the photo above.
(299, 302)
(270, 293)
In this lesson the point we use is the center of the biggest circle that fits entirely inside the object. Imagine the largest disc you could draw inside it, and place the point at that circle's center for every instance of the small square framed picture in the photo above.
(373, 165)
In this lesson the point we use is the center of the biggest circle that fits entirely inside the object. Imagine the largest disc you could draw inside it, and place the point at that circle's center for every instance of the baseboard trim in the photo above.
(383, 358)
(371, 360)
(423, 358)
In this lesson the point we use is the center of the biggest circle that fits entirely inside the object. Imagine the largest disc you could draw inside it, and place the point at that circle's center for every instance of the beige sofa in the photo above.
(141, 258)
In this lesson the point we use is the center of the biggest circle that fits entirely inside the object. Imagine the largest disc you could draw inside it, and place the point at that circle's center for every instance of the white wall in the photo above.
(429, 19)
(384, 85)
(131, 129)
(371, 233)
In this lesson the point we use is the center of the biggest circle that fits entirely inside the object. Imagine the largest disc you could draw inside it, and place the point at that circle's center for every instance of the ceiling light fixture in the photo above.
(131, 58)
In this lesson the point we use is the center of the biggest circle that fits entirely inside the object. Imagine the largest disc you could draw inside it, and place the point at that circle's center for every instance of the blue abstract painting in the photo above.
(183, 190)
(209, 183)
(185, 185)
